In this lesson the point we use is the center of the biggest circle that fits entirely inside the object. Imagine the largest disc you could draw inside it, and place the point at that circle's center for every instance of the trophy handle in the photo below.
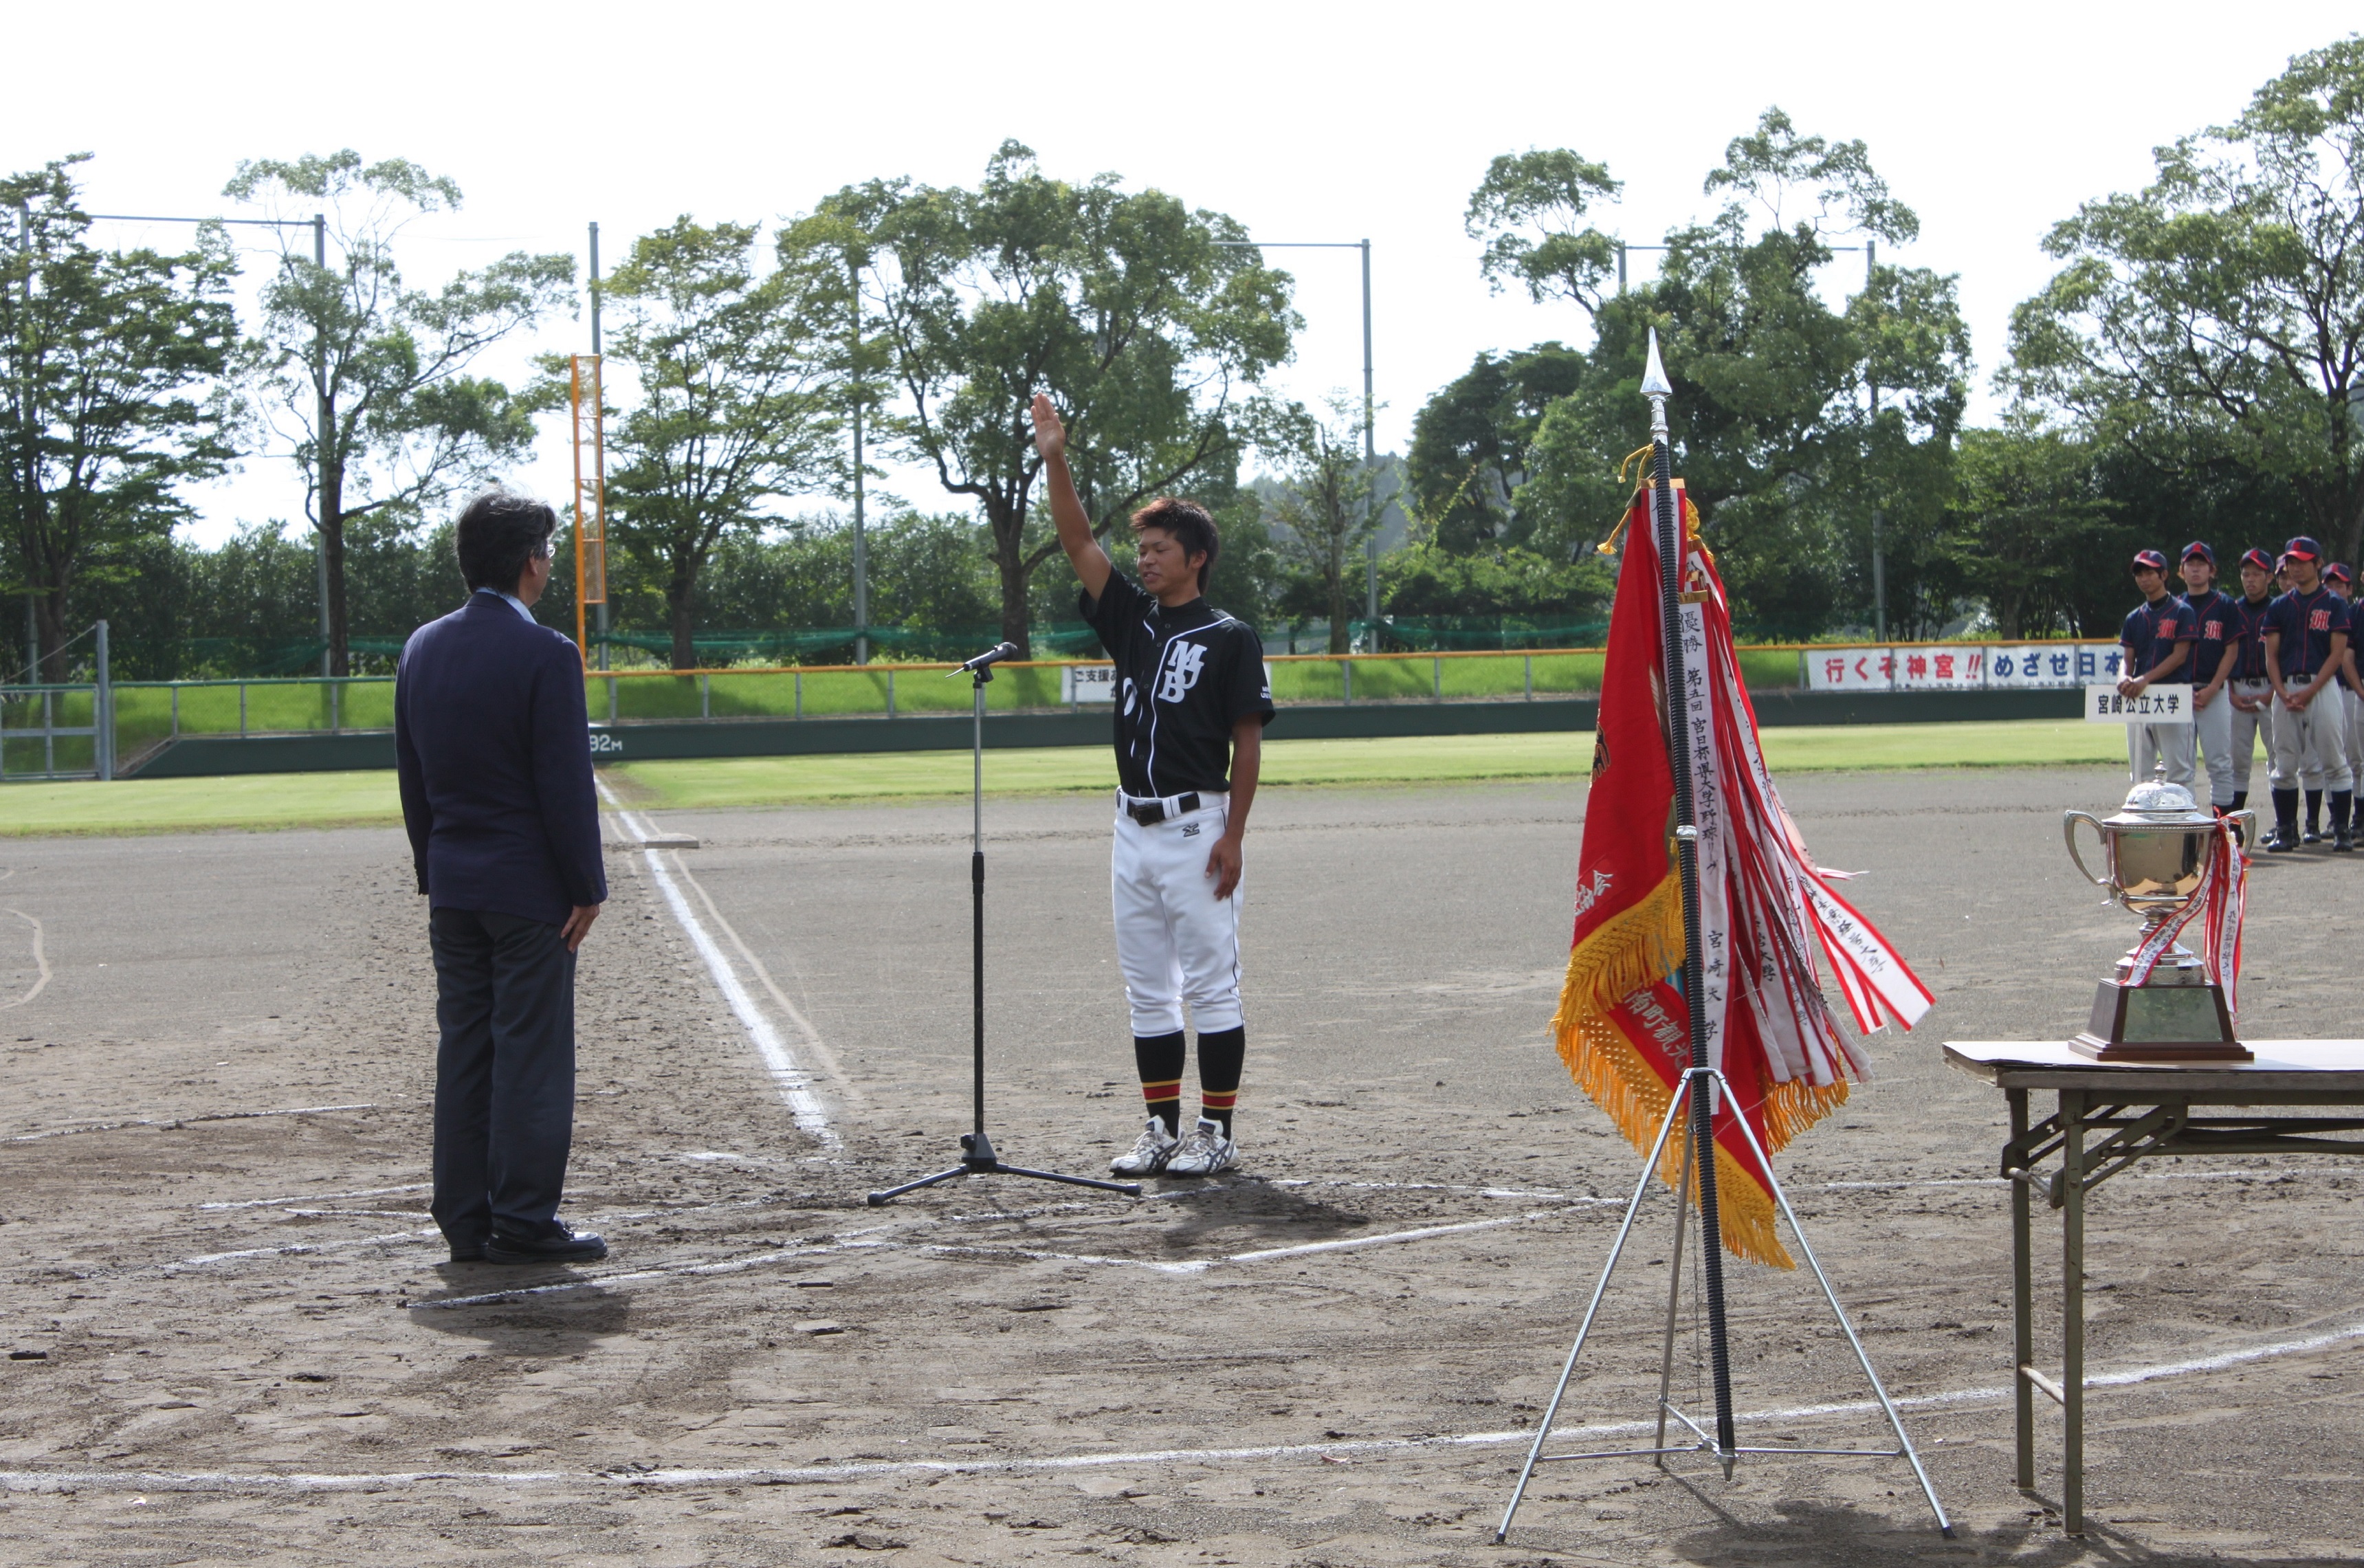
(2069, 820)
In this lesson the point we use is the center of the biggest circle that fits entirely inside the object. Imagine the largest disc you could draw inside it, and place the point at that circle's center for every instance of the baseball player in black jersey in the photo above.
(1191, 705)
(2216, 629)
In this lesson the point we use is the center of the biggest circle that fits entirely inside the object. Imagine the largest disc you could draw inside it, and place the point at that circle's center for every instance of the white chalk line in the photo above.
(796, 1086)
(233, 1481)
(41, 961)
(317, 1197)
(182, 1121)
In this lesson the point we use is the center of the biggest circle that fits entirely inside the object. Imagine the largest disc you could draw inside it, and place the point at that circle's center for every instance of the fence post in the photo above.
(890, 694)
(1346, 676)
(801, 694)
(1805, 671)
(103, 714)
(705, 694)
(336, 707)
(612, 699)
(1530, 677)
(177, 710)
(241, 710)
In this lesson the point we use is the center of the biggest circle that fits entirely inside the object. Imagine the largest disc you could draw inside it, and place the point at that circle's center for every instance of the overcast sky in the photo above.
(1304, 122)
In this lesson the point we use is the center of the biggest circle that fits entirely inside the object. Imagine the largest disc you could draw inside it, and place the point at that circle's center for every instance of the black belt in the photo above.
(1147, 812)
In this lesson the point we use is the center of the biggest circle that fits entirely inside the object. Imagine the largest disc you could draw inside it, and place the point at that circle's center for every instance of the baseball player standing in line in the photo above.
(2157, 643)
(2216, 645)
(2342, 582)
(1191, 705)
(2306, 643)
(2252, 695)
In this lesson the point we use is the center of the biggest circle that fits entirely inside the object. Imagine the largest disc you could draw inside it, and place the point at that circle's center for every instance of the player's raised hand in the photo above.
(1050, 436)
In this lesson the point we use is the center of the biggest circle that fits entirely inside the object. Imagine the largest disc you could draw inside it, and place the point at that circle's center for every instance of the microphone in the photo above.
(991, 656)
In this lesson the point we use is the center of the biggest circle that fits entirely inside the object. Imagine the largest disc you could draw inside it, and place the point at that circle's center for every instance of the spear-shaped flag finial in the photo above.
(1654, 374)
(1657, 388)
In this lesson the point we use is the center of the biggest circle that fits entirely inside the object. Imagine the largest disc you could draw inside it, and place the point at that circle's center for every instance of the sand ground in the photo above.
(242, 1345)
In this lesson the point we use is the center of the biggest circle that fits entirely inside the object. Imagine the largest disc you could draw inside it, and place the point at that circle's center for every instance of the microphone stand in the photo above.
(977, 1158)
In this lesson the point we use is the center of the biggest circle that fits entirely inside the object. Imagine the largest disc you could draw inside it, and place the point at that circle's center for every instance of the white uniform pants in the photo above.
(2353, 717)
(2247, 729)
(1176, 941)
(2148, 745)
(2311, 748)
(2211, 727)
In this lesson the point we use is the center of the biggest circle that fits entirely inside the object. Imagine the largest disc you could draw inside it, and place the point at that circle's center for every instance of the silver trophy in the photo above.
(2156, 853)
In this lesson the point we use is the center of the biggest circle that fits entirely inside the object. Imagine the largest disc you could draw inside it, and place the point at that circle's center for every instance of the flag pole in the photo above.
(1670, 531)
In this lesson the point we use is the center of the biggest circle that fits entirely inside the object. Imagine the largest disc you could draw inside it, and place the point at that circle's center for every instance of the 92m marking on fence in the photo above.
(604, 744)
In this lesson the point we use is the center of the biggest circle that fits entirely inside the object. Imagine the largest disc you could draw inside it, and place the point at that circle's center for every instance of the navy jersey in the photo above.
(1184, 677)
(2214, 629)
(2151, 633)
(2306, 623)
(2251, 616)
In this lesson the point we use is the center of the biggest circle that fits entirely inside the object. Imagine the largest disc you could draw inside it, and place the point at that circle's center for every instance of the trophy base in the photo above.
(2160, 1023)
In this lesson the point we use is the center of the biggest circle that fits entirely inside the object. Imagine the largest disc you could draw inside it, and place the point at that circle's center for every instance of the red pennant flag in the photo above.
(1764, 910)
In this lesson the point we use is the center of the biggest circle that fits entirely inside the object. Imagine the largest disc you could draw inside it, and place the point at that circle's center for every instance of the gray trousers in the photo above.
(2311, 748)
(2211, 727)
(2247, 731)
(504, 1074)
(2150, 747)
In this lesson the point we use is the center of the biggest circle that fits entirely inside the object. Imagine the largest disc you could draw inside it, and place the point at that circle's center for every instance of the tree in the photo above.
(368, 383)
(1143, 320)
(107, 360)
(1327, 505)
(735, 404)
(2219, 312)
(1469, 447)
(1772, 416)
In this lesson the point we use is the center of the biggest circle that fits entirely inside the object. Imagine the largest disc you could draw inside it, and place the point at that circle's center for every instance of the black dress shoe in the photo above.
(475, 1254)
(567, 1247)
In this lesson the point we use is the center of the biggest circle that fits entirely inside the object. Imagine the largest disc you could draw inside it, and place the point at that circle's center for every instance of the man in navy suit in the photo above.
(494, 752)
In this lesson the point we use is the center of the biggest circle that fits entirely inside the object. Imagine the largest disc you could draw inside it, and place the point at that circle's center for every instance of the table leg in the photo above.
(2072, 1311)
(2023, 1306)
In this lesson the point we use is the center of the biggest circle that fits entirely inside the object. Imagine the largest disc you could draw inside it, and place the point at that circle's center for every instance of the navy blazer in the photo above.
(494, 747)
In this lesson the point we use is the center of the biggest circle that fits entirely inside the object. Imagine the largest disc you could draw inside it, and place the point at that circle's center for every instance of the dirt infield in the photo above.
(240, 1344)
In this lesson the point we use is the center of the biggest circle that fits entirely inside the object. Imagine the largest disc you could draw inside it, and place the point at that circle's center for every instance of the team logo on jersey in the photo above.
(2214, 631)
(1183, 663)
(2319, 620)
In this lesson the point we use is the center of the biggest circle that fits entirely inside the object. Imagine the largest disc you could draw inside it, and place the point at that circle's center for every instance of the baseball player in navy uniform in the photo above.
(1191, 705)
(2157, 641)
(2342, 582)
(2250, 695)
(2215, 651)
(2306, 644)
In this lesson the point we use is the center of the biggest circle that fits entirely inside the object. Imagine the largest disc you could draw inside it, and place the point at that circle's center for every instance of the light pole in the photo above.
(1370, 407)
(861, 545)
(596, 352)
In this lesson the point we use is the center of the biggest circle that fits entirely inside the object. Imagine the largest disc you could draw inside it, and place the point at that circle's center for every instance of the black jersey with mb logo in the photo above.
(1184, 677)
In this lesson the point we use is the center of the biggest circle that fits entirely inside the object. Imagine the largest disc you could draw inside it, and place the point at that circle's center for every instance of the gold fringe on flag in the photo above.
(1638, 946)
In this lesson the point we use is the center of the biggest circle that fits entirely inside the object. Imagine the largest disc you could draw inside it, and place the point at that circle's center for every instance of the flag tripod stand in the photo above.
(1697, 1088)
(977, 1158)
(1701, 1078)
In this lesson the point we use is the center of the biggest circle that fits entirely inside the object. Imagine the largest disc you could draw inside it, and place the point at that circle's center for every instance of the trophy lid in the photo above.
(2156, 803)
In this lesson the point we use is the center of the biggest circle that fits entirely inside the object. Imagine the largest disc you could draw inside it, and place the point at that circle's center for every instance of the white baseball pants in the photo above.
(2311, 748)
(2211, 728)
(2149, 745)
(1176, 941)
(2247, 729)
(2354, 718)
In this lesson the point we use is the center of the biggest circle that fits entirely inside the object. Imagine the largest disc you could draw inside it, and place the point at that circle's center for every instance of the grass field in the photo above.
(323, 800)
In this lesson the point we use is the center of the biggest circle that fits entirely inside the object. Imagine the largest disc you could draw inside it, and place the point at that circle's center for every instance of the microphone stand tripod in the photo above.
(977, 1158)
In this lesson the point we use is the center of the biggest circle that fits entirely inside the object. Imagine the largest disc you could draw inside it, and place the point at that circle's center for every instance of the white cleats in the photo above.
(1204, 1150)
(1149, 1153)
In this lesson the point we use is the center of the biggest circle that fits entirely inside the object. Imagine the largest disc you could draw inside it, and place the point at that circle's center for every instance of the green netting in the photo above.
(796, 644)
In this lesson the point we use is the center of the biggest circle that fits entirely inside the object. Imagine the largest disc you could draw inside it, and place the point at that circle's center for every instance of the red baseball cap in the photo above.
(2200, 549)
(2337, 571)
(2260, 560)
(2303, 549)
(2149, 560)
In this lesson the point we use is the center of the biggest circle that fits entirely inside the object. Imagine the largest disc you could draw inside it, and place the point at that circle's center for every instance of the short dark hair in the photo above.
(500, 530)
(1192, 528)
